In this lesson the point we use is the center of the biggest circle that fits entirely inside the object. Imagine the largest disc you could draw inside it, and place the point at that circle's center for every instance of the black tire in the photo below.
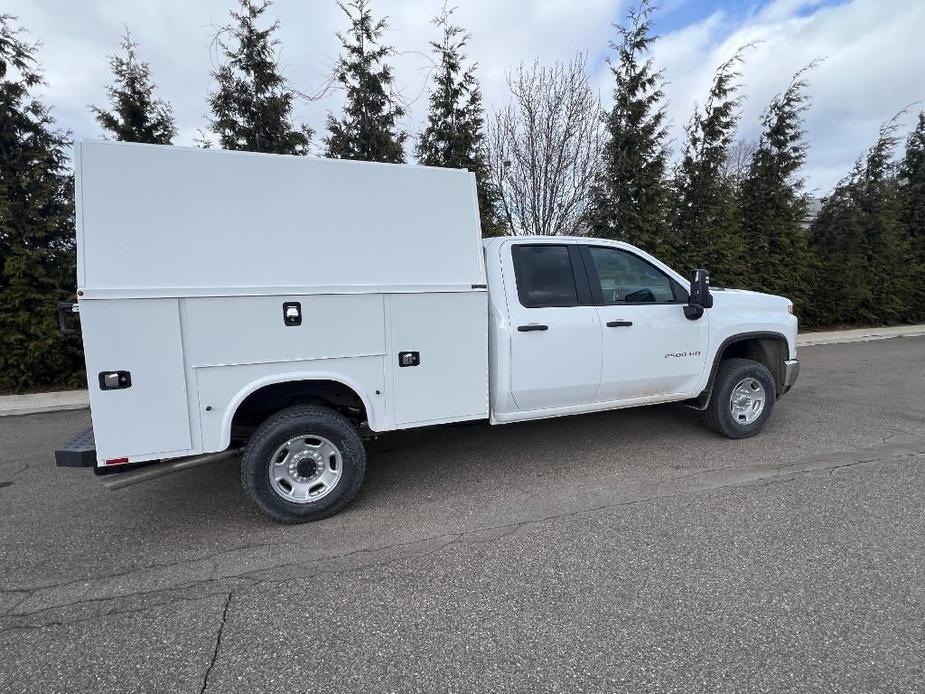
(718, 415)
(298, 421)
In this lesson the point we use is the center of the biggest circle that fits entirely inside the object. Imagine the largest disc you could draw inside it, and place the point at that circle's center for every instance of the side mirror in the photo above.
(700, 297)
(700, 289)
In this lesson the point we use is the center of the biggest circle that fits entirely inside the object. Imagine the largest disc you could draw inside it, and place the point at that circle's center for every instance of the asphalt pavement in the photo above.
(622, 551)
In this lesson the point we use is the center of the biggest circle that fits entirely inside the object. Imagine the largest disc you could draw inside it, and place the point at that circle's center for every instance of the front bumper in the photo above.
(791, 372)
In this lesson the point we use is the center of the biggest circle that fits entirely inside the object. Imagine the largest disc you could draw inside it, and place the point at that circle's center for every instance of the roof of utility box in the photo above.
(173, 221)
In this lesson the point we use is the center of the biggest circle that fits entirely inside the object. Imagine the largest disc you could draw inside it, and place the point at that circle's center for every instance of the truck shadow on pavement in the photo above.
(488, 466)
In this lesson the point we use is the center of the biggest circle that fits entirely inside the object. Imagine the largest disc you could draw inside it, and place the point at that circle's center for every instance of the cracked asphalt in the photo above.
(623, 551)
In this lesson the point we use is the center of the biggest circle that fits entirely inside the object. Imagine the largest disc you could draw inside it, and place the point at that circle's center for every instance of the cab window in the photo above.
(544, 275)
(625, 278)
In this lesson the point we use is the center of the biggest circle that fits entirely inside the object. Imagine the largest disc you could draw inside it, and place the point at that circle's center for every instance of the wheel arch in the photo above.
(767, 347)
(306, 386)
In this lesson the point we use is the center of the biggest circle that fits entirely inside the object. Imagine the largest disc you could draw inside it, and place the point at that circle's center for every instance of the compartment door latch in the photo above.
(409, 359)
(292, 313)
(115, 380)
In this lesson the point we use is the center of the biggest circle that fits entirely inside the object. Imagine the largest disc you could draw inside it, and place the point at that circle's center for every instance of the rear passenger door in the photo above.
(555, 331)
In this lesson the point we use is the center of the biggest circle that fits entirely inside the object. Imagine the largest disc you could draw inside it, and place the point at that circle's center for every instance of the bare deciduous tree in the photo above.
(738, 159)
(544, 149)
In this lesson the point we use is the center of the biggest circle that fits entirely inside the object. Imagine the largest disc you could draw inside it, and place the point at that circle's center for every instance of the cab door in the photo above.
(649, 348)
(555, 328)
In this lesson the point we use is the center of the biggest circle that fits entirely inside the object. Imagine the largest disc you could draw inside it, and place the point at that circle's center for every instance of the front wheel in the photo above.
(742, 400)
(302, 464)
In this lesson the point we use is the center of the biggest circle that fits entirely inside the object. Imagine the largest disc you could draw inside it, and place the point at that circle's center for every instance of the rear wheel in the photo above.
(303, 464)
(742, 400)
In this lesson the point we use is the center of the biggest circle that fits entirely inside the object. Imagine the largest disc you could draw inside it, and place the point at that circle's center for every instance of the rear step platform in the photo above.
(80, 451)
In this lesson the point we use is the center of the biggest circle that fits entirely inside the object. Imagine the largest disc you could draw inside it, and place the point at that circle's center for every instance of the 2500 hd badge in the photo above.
(676, 355)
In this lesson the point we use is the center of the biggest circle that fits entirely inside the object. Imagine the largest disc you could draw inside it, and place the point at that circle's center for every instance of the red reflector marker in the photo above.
(116, 461)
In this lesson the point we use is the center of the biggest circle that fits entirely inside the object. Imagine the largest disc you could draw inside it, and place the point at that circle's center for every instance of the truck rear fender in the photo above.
(270, 394)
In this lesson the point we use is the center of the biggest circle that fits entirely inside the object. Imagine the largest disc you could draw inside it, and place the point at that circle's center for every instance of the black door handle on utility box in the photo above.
(532, 327)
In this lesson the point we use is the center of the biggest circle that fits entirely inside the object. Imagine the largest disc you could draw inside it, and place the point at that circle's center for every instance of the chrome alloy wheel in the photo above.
(305, 469)
(747, 401)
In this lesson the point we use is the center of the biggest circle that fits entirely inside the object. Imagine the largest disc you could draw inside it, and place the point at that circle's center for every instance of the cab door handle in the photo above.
(532, 327)
(619, 323)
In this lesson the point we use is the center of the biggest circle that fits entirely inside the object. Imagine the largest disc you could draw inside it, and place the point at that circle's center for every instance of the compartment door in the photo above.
(141, 337)
(448, 332)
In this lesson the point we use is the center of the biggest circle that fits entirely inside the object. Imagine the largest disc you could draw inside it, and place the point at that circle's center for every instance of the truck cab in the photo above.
(579, 325)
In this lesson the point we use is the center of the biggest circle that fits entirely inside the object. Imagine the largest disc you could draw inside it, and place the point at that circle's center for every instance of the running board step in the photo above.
(80, 451)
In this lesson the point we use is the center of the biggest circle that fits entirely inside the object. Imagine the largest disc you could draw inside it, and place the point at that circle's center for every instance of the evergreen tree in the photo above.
(252, 106)
(862, 251)
(455, 135)
(135, 115)
(706, 216)
(890, 271)
(912, 180)
(368, 129)
(772, 202)
(629, 201)
(36, 226)
(841, 250)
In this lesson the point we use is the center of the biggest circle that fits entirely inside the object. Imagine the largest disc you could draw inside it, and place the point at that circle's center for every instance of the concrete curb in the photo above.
(44, 402)
(38, 403)
(836, 337)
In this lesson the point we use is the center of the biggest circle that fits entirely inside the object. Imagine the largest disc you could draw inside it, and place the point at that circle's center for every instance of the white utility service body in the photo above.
(186, 257)
(216, 288)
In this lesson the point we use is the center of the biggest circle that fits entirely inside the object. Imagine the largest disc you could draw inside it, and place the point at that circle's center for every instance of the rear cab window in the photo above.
(545, 276)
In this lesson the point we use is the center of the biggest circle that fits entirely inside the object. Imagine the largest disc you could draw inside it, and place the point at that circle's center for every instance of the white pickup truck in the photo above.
(291, 306)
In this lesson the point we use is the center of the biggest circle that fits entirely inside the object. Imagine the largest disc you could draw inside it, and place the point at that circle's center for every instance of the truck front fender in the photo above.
(752, 345)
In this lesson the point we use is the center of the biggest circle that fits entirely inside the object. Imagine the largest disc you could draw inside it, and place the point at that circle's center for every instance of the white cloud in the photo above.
(872, 68)
(874, 57)
(175, 37)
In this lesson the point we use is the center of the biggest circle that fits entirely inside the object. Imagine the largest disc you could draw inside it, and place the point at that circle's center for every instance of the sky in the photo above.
(874, 57)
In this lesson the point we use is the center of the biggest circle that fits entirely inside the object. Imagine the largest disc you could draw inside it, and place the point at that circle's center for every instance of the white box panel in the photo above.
(248, 329)
(141, 336)
(450, 331)
(159, 220)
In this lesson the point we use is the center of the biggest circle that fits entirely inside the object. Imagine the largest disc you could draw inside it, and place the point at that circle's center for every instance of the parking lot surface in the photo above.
(623, 551)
